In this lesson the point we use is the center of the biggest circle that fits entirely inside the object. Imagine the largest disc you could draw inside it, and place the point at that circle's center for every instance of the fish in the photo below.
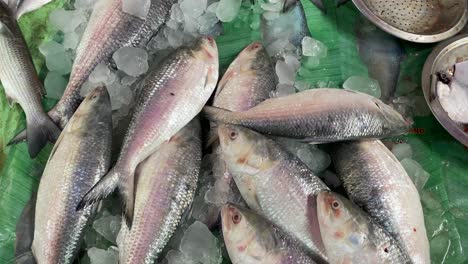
(375, 180)
(290, 24)
(318, 115)
(78, 160)
(351, 236)
(173, 93)
(274, 183)
(248, 81)
(108, 30)
(165, 187)
(252, 239)
(383, 55)
(21, 83)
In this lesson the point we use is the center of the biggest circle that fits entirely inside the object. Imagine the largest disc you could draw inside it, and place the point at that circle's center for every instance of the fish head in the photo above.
(236, 228)
(244, 151)
(394, 123)
(205, 49)
(342, 226)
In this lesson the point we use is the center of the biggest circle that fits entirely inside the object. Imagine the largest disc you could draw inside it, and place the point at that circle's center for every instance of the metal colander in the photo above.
(441, 60)
(416, 20)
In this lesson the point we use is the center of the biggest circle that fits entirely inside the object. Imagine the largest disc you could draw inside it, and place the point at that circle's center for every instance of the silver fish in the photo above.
(165, 186)
(274, 183)
(172, 95)
(351, 236)
(375, 180)
(252, 239)
(109, 29)
(21, 83)
(318, 115)
(382, 53)
(79, 159)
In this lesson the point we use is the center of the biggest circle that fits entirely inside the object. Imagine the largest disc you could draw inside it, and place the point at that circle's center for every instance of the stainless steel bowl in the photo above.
(442, 58)
(424, 21)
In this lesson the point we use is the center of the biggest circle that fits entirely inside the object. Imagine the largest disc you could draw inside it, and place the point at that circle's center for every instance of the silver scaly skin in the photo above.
(318, 115)
(252, 239)
(109, 29)
(172, 95)
(165, 187)
(79, 159)
(351, 236)
(21, 83)
(375, 180)
(274, 183)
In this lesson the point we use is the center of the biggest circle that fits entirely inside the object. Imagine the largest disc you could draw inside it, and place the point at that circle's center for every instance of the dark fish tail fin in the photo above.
(20, 137)
(218, 115)
(25, 233)
(39, 131)
(101, 190)
(127, 196)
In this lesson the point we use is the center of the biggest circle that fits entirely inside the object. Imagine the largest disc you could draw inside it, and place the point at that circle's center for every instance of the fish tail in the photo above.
(127, 196)
(39, 130)
(218, 115)
(101, 190)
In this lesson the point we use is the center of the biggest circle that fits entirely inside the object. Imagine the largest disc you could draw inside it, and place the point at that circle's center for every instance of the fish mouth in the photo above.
(98, 92)
(254, 46)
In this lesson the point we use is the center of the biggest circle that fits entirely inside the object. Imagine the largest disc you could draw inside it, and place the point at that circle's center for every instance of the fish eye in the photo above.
(236, 218)
(335, 205)
(233, 135)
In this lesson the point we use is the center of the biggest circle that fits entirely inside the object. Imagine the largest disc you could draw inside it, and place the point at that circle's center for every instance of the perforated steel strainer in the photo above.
(422, 21)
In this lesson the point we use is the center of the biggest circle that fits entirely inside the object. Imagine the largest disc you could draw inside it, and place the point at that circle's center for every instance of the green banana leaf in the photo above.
(444, 196)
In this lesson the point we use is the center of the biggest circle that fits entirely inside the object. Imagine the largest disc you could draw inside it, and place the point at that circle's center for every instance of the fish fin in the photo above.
(38, 132)
(23, 9)
(4, 30)
(25, 258)
(127, 196)
(101, 190)
(319, 4)
(25, 232)
(20, 137)
(216, 114)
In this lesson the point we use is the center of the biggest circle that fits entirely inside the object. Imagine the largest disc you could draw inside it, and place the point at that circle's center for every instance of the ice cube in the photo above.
(84, 4)
(176, 13)
(138, 8)
(132, 61)
(102, 75)
(200, 245)
(402, 151)
(277, 47)
(127, 80)
(50, 47)
(212, 7)
(313, 48)
(316, 159)
(272, 7)
(193, 8)
(177, 257)
(227, 10)
(311, 62)
(59, 62)
(108, 226)
(363, 85)
(55, 85)
(70, 40)
(292, 61)
(302, 85)
(284, 90)
(270, 15)
(415, 172)
(285, 74)
(86, 88)
(159, 42)
(206, 22)
(120, 95)
(66, 20)
(101, 256)
(330, 179)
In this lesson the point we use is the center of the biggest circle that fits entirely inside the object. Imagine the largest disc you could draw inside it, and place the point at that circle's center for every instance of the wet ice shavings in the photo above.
(138, 8)
(132, 61)
(55, 85)
(363, 85)
(227, 10)
(57, 59)
(416, 173)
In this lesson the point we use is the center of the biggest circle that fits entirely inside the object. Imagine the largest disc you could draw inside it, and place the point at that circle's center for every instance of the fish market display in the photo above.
(251, 239)
(109, 29)
(79, 159)
(172, 95)
(452, 92)
(22, 85)
(375, 180)
(274, 183)
(350, 236)
(382, 53)
(165, 185)
(318, 115)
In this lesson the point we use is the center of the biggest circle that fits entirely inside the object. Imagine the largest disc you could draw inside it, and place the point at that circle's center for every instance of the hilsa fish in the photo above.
(108, 30)
(165, 187)
(78, 160)
(275, 184)
(21, 83)
(375, 180)
(318, 115)
(351, 236)
(172, 95)
(252, 239)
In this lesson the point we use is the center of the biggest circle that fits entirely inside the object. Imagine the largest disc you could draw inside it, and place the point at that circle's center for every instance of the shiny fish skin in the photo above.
(375, 180)
(79, 159)
(251, 239)
(318, 115)
(172, 95)
(351, 236)
(21, 83)
(109, 29)
(165, 187)
(274, 183)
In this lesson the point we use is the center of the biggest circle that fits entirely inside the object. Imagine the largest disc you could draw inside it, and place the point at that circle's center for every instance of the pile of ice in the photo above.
(404, 153)
(364, 85)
